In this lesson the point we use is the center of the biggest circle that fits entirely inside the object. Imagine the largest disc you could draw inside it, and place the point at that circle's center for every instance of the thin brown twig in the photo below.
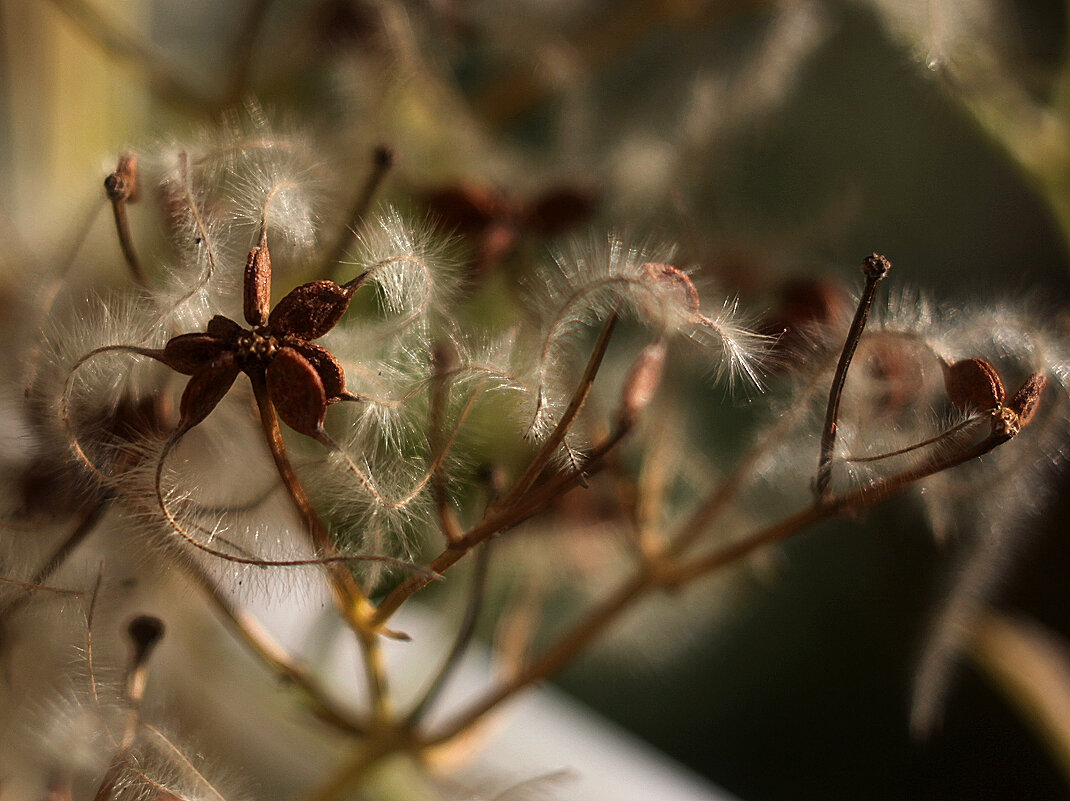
(465, 632)
(501, 515)
(669, 575)
(57, 558)
(383, 160)
(875, 268)
(270, 652)
(352, 603)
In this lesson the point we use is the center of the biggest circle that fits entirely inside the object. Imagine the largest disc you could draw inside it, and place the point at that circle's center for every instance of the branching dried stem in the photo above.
(671, 574)
(502, 514)
(262, 645)
(461, 641)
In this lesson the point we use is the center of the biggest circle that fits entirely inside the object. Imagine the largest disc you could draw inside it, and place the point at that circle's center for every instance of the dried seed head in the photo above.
(669, 275)
(875, 266)
(1027, 398)
(642, 381)
(257, 286)
(122, 184)
(973, 385)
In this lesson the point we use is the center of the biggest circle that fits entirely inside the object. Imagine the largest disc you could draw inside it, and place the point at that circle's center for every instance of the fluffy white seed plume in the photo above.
(411, 264)
(272, 179)
(587, 284)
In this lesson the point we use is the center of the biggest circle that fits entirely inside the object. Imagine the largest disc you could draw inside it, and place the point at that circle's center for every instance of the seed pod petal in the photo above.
(188, 353)
(224, 328)
(973, 385)
(1027, 398)
(325, 365)
(310, 310)
(257, 286)
(297, 392)
(206, 388)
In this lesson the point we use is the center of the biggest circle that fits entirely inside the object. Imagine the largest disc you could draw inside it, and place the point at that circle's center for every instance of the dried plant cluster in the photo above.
(284, 401)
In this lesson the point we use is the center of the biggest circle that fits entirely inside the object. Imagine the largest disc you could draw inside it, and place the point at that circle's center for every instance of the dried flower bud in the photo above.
(1027, 398)
(875, 266)
(257, 286)
(122, 184)
(145, 631)
(668, 274)
(643, 380)
(973, 385)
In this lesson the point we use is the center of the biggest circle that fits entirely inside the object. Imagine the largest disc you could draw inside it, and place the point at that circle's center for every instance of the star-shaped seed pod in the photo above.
(277, 351)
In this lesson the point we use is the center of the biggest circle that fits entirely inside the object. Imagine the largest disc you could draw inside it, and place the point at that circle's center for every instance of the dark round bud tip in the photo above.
(384, 156)
(114, 187)
(145, 631)
(875, 266)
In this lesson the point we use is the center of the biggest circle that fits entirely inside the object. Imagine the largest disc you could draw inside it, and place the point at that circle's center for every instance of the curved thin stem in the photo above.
(353, 604)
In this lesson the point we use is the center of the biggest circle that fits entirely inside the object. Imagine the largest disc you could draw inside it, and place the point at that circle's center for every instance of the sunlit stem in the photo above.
(502, 515)
(353, 604)
(608, 612)
(262, 645)
(464, 636)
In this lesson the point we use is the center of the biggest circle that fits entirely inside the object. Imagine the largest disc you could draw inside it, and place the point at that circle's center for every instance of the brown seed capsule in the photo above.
(297, 392)
(1027, 398)
(973, 385)
(310, 310)
(187, 353)
(206, 389)
(145, 632)
(257, 286)
(642, 381)
(325, 365)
